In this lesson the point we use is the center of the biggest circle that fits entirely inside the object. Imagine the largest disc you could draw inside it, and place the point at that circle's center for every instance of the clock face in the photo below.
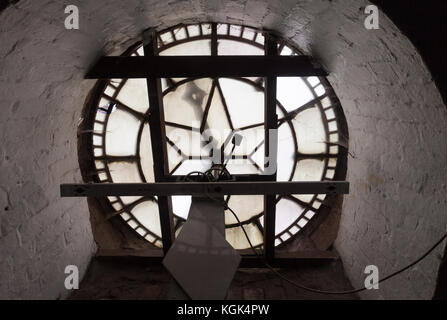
(311, 132)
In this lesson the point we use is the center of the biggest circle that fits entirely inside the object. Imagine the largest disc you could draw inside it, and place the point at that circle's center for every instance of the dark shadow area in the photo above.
(425, 24)
(6, 3)
(113, 279)
(441, 285)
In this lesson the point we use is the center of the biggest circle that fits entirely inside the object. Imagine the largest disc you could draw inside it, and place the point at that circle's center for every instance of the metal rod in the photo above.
(270, 149)
(293, 259)
(203, 188)
(204, 66)
(158, 143)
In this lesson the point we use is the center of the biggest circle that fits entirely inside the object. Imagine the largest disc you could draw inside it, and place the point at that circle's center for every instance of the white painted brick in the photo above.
(396, 117)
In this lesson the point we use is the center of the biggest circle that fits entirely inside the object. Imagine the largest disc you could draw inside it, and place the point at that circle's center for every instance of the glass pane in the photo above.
(166, 37)
(193, 165)
(332, 126)
(251, 138)
(192, 48)
(217, 122)
(292, 92)
(100, 115)
(245, 103)
(326, 102)
(319, 90)
(242, 166)
(285, 236)
(235, 30)
(245, 208)
(180, 33)
(181, 205)
(97, 152)
(147, 214)
(134, 95)
(125, 172)
(333, 150)
(259, 157)
(333, 137)
(99, 164)
(235, 236)
(286, 51)
(260, 38)
(97, 140)
(146, 159)
(313, 81)
(294, 230)
(332, 162)
(206, 28)
(236, 48)
(193, 30)
(222, 28)
(186, 104)
(141, 51)
(308, 170)
(286, 152)
(287, 212)
(310, 132)
(330, 114)
(121, 134)
(174, 158)
(182, 139)
(330, 174)
(249, 33)
(109, 91)
(98, 127)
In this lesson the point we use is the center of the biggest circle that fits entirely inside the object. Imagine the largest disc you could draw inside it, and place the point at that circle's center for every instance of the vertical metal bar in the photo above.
(158, 141)
(271, 123)
(214, 39)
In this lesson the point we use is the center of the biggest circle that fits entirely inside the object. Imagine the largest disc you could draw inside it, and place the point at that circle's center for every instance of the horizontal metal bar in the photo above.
(291, 259)
(203, 188)
(204, 66)
(234, 177)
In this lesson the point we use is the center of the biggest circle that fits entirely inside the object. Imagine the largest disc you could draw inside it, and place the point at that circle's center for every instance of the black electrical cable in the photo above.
(212, 178)
(226, 162)
(336, 292)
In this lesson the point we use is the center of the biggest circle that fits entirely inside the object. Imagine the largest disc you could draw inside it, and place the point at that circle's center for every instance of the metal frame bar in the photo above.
(270, 148)
(203, 188)
(214, 39)
(158, 142)
(283, 259)
(236, 178)
(203, 66)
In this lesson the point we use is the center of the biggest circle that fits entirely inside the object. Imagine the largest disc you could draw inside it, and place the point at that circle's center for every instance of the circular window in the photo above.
(312, 135)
